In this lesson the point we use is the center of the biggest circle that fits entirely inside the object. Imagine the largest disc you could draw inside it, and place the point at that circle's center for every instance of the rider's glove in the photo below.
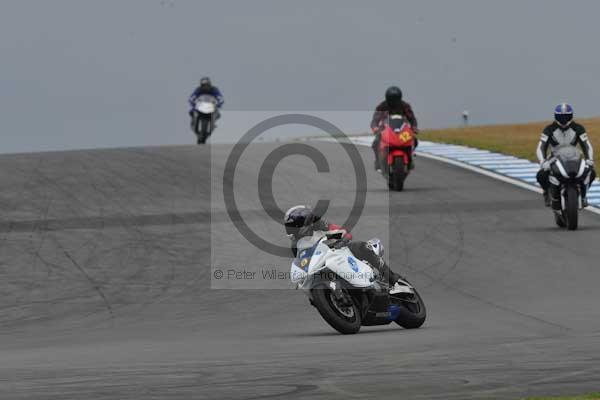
(590, 163)
(546, 165)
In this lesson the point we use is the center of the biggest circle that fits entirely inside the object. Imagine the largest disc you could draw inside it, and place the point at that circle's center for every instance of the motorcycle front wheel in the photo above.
(203, 132)
(571, 212)
(398, 174)
(206, 128)
(341, 314)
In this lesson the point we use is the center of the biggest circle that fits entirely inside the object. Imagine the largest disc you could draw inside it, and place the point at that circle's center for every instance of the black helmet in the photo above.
(205, 81)
(393, 96)
(298, 217)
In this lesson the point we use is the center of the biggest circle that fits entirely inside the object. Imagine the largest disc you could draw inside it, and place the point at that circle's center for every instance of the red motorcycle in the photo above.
(396, 150)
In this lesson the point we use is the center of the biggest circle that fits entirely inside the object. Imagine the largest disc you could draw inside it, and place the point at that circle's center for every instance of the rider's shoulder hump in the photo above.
(549, 129)
(578, 128)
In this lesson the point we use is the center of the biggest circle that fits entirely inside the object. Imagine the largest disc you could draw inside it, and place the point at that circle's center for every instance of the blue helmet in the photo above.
(563, 114)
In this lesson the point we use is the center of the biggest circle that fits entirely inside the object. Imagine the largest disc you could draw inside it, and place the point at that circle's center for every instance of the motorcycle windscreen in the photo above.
(570, 159)
(397, 122)
(206, 98)
(206, 104)
(306, 249)
(401, 131)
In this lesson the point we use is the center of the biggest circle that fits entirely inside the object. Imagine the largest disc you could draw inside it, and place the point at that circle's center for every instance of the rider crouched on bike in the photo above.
(393, 104)
(564, 131)
(206, 88)
(301, 221)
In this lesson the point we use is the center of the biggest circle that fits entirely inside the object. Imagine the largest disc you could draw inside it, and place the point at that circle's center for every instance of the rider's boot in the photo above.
(584, 200)
(375, 147)
(193, 120)
(217, 117)
(555, 198)
(376, 163)
(543, 178)
(400, 288)
(547, 199)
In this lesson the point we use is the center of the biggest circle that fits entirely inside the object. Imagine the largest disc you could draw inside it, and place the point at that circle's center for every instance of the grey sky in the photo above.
(101, 73)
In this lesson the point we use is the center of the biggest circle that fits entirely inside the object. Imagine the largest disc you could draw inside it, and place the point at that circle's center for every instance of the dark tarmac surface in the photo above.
(106, 291)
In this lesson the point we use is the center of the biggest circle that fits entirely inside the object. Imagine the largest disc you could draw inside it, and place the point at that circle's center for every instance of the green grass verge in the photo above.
(591, 396)
(518, 140)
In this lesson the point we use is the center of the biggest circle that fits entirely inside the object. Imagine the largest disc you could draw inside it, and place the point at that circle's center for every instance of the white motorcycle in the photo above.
(203, 117)
(348, 292)
(570, 176)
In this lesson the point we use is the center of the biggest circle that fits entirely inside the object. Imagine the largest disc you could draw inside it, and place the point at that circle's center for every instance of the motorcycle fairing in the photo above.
(349, 268)
(397, 140)
(313, 258)
(311, 252)
(206, 104)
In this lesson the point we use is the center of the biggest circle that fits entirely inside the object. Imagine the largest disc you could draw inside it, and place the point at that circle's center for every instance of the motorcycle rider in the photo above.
(564, 131)
(393, 104)
(301, 221)
(206, 87)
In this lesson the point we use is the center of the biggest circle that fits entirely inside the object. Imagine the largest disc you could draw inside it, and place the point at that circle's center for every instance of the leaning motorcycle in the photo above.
(203, 117)
(350, 293)
(396, 150)
(569, 179)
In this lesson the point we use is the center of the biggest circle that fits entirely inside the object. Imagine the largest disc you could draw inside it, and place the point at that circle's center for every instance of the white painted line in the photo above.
(518, 170)
(484, 167)
(480, 160)
(475, 155)
(502, 166)
(455, 152)
(523, 176)
(515, 171)
(504, 163)
(494, 175)
(478, 156)
(482, 171)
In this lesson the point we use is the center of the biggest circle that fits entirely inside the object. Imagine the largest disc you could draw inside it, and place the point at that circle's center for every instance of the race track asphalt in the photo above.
(106, 288)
